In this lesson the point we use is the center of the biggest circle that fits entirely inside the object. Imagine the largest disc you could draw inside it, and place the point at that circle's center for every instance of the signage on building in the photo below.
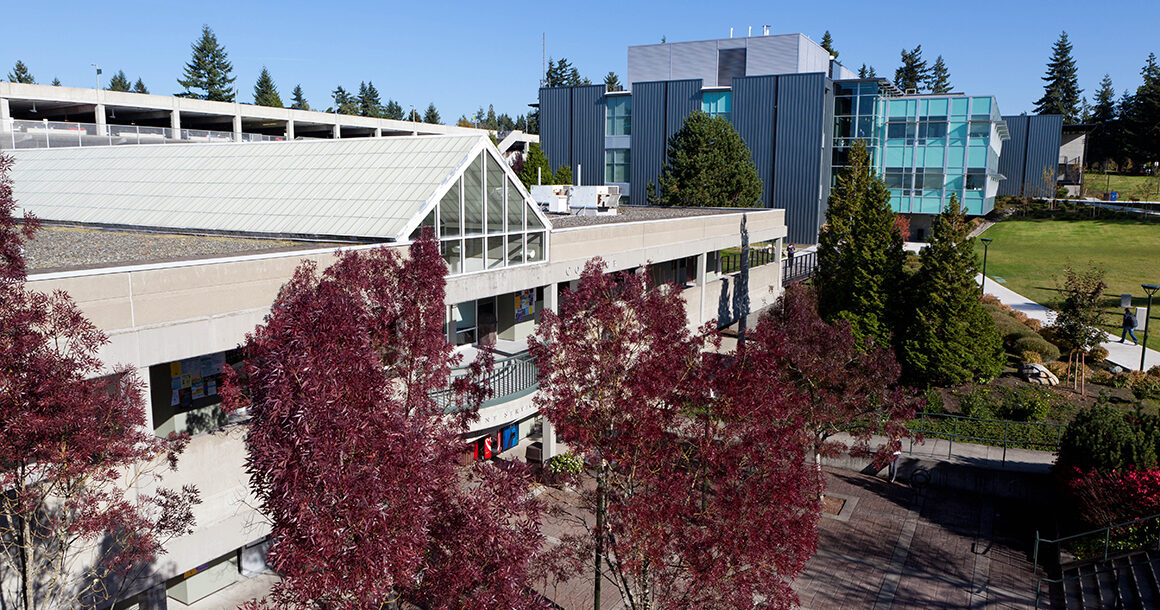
(525, 304)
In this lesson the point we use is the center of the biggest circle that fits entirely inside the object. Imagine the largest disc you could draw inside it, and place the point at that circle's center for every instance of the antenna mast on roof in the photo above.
(543, 57)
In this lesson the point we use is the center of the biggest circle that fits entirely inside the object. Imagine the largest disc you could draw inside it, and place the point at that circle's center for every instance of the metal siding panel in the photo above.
(797, 163)
(683, 97)
(771, 55)
(730, 65)
(588, 133)
(695, 60)
(648, 136)
(556, 125)
(1012, 158)
(826, 162)
(1043, 135)
(649, 63)
(754, 105)
(812, 57)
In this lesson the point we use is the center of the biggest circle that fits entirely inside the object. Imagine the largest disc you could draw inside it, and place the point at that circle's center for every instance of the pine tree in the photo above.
(940, 78)
(913, 73)
(119, 82)
(139, 87)
(209, 73)
(491, 121)
(1061, 89)
(535, 160)
(265, 92)
(20, 74)
(863, 72)
(709, 165)
(1142, 122)
(414, 116)
(563, 74)
(950, 339)
(393, 110)
(563, 175)
(369, 102)
(344, 102)
(828, 45)
(612, 82)
(1102, 141)
(860, 253)
(298, 99)
(55, 82)
(432, 115)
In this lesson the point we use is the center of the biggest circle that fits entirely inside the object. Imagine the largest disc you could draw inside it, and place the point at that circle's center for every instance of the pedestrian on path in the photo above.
(1129, 325)
(789, 252)
(896, 446)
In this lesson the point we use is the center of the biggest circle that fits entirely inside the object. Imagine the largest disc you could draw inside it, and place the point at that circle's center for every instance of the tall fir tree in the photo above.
(20, 74)
(860, 253)
(1102, 141)
(1142, 121)
(209, 75)
(265, 91)
(913, 74)
(612, 82)
(866, 72)
(139, 87)
(536, 168)
(708, 165)
(393, 110)
(562, 73)
(1061, 85)
(828, 44)
(298, 99)
(369, 102)
(950, 338)
(432, 115)
(55, 82)
(119, 82)
(344, 102)
(940, 77)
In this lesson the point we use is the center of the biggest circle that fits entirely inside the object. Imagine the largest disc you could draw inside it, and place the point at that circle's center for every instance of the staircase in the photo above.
(1128, 580)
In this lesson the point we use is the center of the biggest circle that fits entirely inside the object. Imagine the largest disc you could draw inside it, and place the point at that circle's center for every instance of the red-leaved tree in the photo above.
(78, 519)
(702, 497)
(842, 388)
(356, 462)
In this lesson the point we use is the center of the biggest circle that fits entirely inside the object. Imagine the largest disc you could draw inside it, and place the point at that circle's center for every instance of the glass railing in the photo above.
(17, 134)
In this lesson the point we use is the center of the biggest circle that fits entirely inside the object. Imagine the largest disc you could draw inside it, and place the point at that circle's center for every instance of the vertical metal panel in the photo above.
(682, 98)
(730, 65)
(1013, 155)
(648, 63)
(754, 104)
(695, 60)
(648, 136)
(587, 137)
(812, 57)
(797, 159)
(772, 55)
(1043, 135)
(556, 125)
(827, 156)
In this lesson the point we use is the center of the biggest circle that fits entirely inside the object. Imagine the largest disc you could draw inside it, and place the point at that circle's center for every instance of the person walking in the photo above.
(1129, 324)
(896, 447)
(789, 252)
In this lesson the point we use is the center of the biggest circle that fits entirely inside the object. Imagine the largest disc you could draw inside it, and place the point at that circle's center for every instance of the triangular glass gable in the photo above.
(495, 199)
(534, 221)
(473, 198)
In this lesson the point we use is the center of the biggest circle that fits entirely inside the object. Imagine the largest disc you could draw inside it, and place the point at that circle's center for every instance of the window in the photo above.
(618, 114)
(717, 103)
(495, 199)
(980, 129)
(473, 197)
(976, 180)
(616, 165)
(449, 225)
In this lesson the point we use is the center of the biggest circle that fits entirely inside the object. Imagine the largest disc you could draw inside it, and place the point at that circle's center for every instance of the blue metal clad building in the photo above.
(556, 125)
(1033, 148)
(572, 129)
(754, 101)
(802, 149)
(682, 98)
(648, 136)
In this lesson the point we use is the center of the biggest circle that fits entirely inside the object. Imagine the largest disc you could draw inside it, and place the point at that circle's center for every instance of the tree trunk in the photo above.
(599, 536)
(818, 469)
(26, 584)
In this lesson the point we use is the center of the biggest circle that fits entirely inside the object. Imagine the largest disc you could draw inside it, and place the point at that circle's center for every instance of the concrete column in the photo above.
(552, 297)
(237, 128)
(777, 261)
(378, 132)
(175, 122)
(5, 110)
(102, 129)
(337, 129)
(290, 129)
(451, 324)
(548, 440)
(702, 264)
(146, 391)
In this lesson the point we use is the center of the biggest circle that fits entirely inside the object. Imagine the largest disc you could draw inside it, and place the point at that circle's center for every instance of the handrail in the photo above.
(1005, 441)
(510, 378)
(1107, 531)
(18, 134)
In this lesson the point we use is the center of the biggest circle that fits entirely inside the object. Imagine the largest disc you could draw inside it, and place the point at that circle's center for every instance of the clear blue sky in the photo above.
(465, 55)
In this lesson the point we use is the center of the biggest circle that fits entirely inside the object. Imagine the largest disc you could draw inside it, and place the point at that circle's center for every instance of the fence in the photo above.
(1106, 534)
(994, 432)
(55, 134)
(799, 268)
(511, 378)
(731, 263)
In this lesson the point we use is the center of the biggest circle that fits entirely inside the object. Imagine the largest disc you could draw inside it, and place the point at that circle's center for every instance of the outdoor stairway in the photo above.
(1128, 580)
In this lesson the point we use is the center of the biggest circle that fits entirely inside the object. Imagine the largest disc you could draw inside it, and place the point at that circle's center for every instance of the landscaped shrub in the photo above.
(1097, 354)
(934, 401)
(1102, 377)
(1031, 357)
(1037, 344)
(1026, 403)
(1154, 371)
(978, 402)
(564, 465)
(1146, 386)
(1057, 368)
(1102, 438)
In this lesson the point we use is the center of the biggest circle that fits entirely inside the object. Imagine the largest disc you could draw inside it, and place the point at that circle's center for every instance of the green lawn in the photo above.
(1143, 188)
(1030, 256)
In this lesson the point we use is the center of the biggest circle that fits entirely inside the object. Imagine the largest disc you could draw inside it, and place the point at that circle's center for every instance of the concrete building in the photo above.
(177, 251)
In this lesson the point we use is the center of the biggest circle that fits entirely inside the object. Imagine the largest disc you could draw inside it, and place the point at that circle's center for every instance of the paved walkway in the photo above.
(1123, 354)
(970, 454)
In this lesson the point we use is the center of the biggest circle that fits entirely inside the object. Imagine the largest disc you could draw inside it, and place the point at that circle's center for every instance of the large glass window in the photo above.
(980, 129)
(473, 198)
(618, 114)
(616, 165)
(976, 180)
(473, 255)
(449, 225)
(495, 198)
(717, 103)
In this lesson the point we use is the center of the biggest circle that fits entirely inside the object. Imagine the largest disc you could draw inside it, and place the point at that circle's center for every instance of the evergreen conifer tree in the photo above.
(344, 102)
(1102, 141)
(951, 339)
(563, 175)
(863, 72)
(1142, 122)
(432, 115)
(20, 74)
(209, 73)
(860, 253)
(298, 99)
(265, 92)
(940, 77)
(369, 102)
(709, 165)
(612, 82)
(393, 110)
(1061, 85)
(828, 44)
(535, 160)
(139, 87)
(55, 82)
(913, 73)
(119, 82)
(414, 116)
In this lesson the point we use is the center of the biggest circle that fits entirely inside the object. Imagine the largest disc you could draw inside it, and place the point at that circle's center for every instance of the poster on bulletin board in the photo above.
(525, 304)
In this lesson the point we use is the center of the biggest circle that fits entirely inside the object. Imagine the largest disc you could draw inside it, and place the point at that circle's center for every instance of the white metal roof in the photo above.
(366, 188)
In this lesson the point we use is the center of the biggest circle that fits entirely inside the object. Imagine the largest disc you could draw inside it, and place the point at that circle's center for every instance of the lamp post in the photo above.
(97, 77)
(1151, 290)
(983, 285)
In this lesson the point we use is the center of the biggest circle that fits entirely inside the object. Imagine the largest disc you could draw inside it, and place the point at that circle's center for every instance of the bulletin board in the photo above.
(525, 304)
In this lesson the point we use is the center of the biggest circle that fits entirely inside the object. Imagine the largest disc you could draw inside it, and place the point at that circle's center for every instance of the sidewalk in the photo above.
(959, 452)
(1123, 354)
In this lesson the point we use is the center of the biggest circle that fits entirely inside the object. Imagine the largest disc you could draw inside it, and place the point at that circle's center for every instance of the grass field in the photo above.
(1030, 256)
(1143, 188)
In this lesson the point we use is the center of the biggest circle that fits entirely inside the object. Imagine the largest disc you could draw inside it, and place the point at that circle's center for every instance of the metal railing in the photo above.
(993, 432)
(731, 263)
(17, 134)
(1107, 535)
(510, 378)
(799, 268)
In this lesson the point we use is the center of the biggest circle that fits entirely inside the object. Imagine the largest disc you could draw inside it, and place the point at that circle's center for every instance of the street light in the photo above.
(97, 77)
(1151, 290)
(983, 285)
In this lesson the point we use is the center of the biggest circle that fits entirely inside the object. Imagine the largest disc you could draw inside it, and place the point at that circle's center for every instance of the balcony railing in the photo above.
(17, 134)
(511, 378)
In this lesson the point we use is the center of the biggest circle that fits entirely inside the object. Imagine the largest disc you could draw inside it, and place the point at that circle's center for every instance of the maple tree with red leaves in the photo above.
(78, 522)
(842, 387)
(356, 463)
(702, 498)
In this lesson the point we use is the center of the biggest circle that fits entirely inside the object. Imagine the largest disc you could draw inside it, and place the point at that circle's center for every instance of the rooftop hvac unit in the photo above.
(578, 200)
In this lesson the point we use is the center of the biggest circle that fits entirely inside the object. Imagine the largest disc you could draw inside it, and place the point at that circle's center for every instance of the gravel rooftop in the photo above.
(637, 213)
(58, 248)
